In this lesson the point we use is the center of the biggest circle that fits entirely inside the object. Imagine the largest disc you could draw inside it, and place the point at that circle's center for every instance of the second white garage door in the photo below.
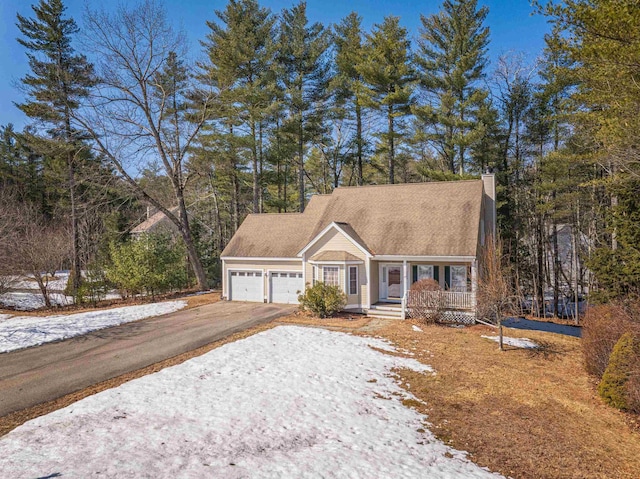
(285, 287)
(246, 286)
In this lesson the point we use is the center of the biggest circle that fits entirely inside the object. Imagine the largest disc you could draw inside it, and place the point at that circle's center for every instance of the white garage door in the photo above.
(246, 286)
(285, 287)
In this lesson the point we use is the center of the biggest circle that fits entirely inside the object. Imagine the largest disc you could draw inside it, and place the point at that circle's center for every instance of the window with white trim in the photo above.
(425, 271)
(330, 275)
(353, 280)
(459, 279)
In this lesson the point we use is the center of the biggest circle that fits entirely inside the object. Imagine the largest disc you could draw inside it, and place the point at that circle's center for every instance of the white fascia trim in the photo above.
(336, 262)
(325, 231)
(436, 259)
(224, 282)
(256, 258)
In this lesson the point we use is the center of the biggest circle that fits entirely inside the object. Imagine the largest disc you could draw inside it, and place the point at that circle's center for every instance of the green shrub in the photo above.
(152, 264)
(623, 360)
(93, 288)
(323, 300)
(603, 327)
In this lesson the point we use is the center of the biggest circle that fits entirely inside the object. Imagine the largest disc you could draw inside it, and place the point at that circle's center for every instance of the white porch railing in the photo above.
(448, 300)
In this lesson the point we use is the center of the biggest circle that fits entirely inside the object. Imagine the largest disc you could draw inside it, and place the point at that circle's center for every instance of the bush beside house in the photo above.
(323, 300)
(425, 301)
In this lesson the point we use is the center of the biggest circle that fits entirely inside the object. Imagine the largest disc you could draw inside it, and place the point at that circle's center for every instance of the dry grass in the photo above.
(525, 414)
(13, 420)
(342, 321)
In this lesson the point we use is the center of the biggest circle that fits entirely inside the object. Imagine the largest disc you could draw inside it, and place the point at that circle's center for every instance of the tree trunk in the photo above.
(260, 168)
(254, 154)
(301, 166)
(76, 271)
(194, 258)
(235, 200)
(43, 288)
(360, 177)
(540, 264)
(391, 145)
(500, 335)
(556, 269)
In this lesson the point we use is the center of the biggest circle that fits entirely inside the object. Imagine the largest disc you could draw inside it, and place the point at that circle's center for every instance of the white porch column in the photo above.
(474, 276)
(405, 282)
(405, 276)
(368, 268)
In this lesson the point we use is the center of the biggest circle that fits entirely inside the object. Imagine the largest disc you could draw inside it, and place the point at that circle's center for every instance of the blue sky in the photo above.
(512, 23)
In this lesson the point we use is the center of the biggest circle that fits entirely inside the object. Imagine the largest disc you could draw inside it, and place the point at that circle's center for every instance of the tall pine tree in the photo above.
(452, 61)
(305, 76)
(348, 81)
(388, 76)
(59, 79)
(241, 48)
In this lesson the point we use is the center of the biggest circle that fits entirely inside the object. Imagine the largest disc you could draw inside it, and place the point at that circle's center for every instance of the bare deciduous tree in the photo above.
(38, 248)
(495, 295)
(147, 108)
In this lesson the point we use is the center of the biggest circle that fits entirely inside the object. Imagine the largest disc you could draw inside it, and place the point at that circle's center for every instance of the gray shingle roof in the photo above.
(414, 219)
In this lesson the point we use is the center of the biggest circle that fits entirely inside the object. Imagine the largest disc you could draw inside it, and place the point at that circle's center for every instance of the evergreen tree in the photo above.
(451, 61)
(348, 81)
(242, 51)
(388, 77)
(59, 79)
(305, 68)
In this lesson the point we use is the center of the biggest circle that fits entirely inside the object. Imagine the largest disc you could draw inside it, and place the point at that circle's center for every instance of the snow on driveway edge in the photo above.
(19, 332)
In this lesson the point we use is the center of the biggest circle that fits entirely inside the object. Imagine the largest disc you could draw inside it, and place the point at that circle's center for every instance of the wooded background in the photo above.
(282, 107)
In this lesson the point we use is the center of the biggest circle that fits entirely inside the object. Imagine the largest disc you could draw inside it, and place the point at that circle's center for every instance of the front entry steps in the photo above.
(385, 310)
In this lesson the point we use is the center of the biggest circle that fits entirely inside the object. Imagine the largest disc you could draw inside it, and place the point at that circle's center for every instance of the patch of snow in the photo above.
(416, 328)
(524, 343)
(289, 402)
(23, 301)
(18, 332)
(58, 283)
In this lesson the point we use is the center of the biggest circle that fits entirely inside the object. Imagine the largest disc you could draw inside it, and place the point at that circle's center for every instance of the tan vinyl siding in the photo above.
(334, 240)
(265, 266)
(375, 282)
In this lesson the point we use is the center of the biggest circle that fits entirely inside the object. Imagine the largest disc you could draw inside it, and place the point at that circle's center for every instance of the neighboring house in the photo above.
(372, 241)
(156, 222)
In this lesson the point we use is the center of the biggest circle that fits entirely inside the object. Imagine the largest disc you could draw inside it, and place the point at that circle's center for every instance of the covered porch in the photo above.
(391, 283)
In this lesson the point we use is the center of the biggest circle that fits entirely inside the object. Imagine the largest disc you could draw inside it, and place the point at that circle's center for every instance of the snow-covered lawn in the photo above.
(27, 301)
(29, 297)
(524, 343)
(18, 332)
(57, 283)
(289, 402)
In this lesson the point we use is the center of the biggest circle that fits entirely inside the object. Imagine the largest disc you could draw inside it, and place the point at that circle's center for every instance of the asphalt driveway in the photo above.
(35, 375)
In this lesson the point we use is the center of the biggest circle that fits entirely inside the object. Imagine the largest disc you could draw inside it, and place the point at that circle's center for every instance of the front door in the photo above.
(391, 284)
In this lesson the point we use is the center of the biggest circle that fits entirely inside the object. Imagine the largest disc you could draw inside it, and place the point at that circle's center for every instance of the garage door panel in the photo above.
(286, 286)
(246, 286)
